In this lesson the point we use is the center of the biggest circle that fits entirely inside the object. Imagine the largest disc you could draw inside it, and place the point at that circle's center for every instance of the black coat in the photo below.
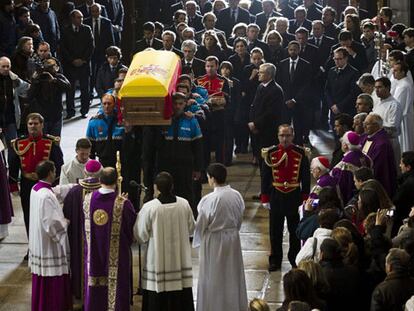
(202, 53)
(249, 88)
(393, 293)
(293, 25)
(87, 12)
(324, 48)
(404, 197)
(261, 20)
(197, 67)
(255, 7)
(341, 89)
(142, 44)
(225, 23)
(104, 40)
(313, 13)
(83, 48)
(310, 53)
(238, 65)
(343, 286)
(105, 78)
(195, 22)
(288, 12)
(287, 37)
(268, 112)
(332, 31)
(360, 61)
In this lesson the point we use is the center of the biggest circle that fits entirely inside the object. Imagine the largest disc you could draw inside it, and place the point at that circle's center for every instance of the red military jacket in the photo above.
(287, 170)
(33, 150)
(217, 87)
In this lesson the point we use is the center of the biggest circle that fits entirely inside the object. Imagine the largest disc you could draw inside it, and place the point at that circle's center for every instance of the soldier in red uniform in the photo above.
(32, 149)
(218, 92)
(285, 184)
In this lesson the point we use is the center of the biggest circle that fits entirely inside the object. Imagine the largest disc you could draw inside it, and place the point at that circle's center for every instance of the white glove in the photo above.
(266, 205)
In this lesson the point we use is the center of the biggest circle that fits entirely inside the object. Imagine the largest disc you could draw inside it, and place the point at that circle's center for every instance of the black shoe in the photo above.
(69, 116)
(274, 267)
(84, 115)
(26, 257)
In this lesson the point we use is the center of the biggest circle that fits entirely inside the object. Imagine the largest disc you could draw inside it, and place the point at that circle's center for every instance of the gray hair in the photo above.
(283, 19)
(361, 116)
(189, 44)
(398, 259)
(270, 69)
(269, 1)
(377, 119)
(207, 15)
(367, 99)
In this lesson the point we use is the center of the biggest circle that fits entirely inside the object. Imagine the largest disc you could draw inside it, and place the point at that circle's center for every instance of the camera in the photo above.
(390, 212)
(315, 203)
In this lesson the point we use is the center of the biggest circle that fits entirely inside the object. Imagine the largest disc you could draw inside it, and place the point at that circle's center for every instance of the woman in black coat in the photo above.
(241, 58)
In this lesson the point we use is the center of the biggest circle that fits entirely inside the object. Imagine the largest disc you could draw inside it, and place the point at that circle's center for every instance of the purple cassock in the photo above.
(73, 210)
(109, 222)
(378, 147)
(343, 172)
(6, 208)
(325, 181)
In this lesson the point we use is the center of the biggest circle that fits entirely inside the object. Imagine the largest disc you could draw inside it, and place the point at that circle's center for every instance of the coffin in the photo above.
(146, 92)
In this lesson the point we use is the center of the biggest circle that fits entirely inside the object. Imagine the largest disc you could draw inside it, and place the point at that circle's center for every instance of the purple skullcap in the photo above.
(351, 138)
(93, 166)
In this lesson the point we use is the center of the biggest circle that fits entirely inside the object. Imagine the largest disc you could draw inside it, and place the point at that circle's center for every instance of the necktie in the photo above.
(292, 70)
(96, 31)
(76, 29)
(233, 16)
(318, 41)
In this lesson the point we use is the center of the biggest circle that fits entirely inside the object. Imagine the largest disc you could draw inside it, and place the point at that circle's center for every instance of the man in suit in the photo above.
(341, 88)
(209, 22)
(149, 40)
(168, 39)
(253, 41)
(312, 10)
(116, 14)
(355, 49)
(232, 15)
(103, 37)
(320, 40)
(76, 48)
(268, 109)
(191, 65)
(308, 51)
(282, 24)
(294, 76)
(328, 18)
(194, 19)
(363, 14)
(85, 9)
(300, 20)
(286, 9)
(255, 7)
(268, 11)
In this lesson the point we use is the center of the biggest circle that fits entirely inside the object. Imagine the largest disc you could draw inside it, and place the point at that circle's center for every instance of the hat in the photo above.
(351, 138)
(321, 162)
(93, 167)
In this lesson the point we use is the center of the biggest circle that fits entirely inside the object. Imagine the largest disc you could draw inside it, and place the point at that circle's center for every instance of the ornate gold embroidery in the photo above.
(97, 281)
(100, 217)
(114, 252)
(86, 212)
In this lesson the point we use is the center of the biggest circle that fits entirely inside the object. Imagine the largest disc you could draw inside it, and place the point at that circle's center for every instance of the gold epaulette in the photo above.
(56, 139)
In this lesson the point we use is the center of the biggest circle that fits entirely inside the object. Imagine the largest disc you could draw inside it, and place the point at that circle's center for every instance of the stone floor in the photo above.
(15, 279)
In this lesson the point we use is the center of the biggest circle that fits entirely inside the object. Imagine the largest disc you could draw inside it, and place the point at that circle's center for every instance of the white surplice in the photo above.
(167, 229)
(221, 282)
(71, 172)
(403, 91)
(48, 240)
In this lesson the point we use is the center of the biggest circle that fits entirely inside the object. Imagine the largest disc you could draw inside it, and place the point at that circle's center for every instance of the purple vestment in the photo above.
(73, 210)
(109, 226)
(51, 293)
(325, 181)
(343, 172)
(6, 208)
(378, 147)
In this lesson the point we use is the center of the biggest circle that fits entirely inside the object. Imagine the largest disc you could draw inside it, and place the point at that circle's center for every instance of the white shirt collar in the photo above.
(105, 190)
(267, 83)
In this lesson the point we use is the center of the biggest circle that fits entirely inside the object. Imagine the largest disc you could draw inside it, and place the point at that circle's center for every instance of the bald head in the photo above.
(5, 65)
